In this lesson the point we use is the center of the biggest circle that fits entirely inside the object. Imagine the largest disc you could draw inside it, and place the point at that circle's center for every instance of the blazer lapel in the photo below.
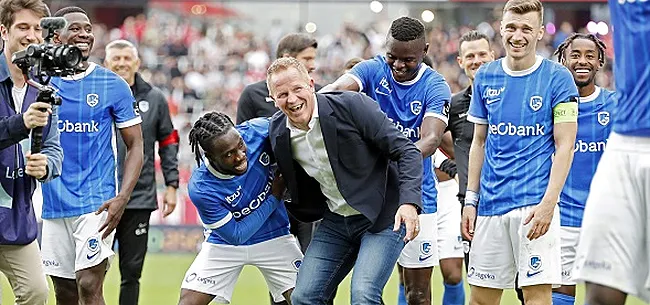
(328, 128)
(282, 150)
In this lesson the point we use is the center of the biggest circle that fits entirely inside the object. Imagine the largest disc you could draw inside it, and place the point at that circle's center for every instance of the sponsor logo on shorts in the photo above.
(480, 275)
(190, 277)
(597, 265)
(48, 263)
(203, 280)
(566, 273)
(296, 263)
(535, 264)
(425, 250)
(93, 246)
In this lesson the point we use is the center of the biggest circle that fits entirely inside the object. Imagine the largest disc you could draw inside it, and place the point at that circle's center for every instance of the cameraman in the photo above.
(132, 231)
(82, 207)
(20, 259)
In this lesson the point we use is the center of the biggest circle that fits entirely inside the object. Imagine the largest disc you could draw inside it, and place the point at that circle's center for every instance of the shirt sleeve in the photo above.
(52, 148)
(362, 72)
(477, 111)
(565, 90)
(125, 108)
(216, 217)
(438, 100)
(168, 141)
(12, 130)
(245, 110)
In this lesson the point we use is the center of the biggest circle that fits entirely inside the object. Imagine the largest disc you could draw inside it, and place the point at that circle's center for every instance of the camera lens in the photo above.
(66, 57)
(72, 56)
(34, 50)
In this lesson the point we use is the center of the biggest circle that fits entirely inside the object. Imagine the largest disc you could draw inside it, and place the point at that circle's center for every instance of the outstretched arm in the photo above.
(343, 83)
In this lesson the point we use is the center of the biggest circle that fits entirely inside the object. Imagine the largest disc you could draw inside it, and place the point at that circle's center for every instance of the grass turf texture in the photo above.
(163, 273)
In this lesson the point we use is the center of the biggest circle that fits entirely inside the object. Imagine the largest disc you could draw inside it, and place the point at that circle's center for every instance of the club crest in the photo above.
(603, 118)
(92, 99)
(535, 102)
(143, 105)
(535, 262)
(416, 107)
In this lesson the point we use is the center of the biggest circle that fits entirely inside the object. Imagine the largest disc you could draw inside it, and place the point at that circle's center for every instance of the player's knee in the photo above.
(65, 290)
(454, 277)
(364, 292)
(89, 286)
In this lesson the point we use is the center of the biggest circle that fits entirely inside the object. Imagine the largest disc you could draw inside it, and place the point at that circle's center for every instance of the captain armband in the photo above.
(566, 112)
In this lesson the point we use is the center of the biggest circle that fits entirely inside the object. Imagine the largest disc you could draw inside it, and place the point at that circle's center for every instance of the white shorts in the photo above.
(613, 248)
(500, 250)
(450, 243)
(216, 268)
(422, 252)
(74, 243)
(569, 237)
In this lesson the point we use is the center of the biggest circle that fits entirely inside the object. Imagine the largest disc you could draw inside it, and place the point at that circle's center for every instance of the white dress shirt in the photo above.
(309, 151)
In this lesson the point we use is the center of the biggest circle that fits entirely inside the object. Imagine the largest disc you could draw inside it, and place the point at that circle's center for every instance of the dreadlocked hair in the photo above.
(600, 45)
(406, 29)
(209, 126)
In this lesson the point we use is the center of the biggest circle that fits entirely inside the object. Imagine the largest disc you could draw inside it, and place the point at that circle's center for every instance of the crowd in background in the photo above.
(204, 65)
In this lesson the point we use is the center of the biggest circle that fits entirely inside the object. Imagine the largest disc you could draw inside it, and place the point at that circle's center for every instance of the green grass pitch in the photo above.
(163, 273)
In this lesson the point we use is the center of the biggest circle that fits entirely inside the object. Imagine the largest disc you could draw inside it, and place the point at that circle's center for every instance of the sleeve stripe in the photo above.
(132, 122)
(477, 120)
(220, 223)
(437, 116)
(358, 80)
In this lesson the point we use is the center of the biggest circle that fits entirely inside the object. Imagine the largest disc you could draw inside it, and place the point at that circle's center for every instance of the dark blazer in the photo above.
(361, 143)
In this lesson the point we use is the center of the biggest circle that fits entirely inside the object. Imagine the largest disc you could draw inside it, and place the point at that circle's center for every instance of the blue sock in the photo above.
(563, 299)
(401, 296)
(454, 294)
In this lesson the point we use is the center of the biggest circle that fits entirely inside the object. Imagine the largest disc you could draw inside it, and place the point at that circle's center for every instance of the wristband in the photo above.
(471, 198)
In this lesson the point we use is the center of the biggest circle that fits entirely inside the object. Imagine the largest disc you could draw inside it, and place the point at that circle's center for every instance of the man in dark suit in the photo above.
(345, 162)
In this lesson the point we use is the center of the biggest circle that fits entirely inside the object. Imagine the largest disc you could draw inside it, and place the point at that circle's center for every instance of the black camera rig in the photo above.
(39, 62)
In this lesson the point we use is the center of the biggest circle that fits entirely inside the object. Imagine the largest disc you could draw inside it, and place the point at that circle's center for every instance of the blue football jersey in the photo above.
(94, 104)
(220, 198)
(518, 107)
(406, 105)
(631, 66)
(593, 130)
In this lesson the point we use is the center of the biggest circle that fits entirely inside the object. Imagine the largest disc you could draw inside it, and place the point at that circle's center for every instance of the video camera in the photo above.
(46, 59)
(39, 62)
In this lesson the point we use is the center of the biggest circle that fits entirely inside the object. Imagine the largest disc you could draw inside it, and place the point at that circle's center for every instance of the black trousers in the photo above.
(131, 235)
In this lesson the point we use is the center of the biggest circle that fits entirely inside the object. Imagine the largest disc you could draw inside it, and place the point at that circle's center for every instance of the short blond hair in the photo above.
(121, 44)
(283, 64)
(525, 6)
